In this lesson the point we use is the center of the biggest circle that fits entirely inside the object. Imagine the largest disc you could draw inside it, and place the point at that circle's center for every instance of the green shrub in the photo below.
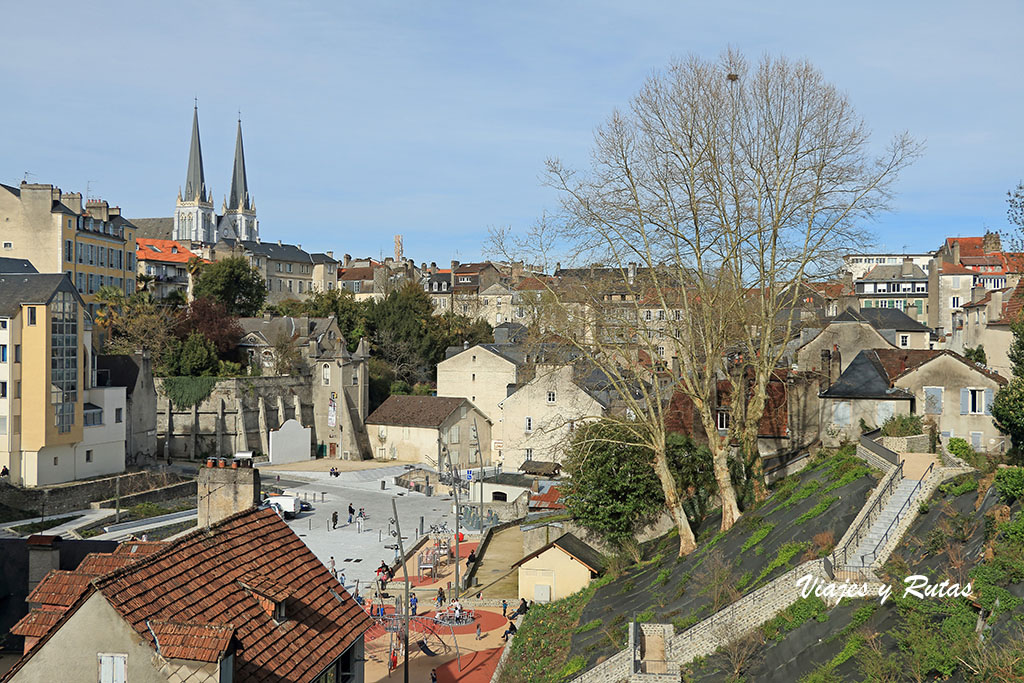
(805, 491)
(1010, 483)
(663, 577)
(961, 449)
(572, 667)
(589, 626)
(817, 509)
(185, 392)
(794, 616)
(786, 553)
(681, 625)
(959, 486)
(646, 616)
(758, 536)
(923, 507)
(903, 425)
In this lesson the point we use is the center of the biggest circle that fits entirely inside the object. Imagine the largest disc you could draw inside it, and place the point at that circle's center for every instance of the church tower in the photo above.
(193, 213)
(239, 209)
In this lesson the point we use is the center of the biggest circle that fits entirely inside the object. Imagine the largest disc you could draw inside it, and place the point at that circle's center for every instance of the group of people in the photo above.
(335, 472)
(384, 574)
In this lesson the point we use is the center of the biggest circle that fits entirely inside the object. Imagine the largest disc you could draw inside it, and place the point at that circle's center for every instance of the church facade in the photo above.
(195, 221)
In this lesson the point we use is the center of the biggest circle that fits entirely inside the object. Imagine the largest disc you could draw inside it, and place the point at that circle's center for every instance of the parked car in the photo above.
(289, 505)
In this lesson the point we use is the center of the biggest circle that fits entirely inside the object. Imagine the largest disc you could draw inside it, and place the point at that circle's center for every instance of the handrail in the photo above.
(868, 442)
(869, 518)
(885, 537)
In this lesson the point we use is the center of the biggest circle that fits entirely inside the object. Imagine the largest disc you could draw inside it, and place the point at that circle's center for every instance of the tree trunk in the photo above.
(720, 461)
(687, 542)
(752, 422)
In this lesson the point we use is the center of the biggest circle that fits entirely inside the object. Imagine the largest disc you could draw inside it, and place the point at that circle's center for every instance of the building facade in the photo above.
(430, 429)
(56, 424)
(94, 245)
(165, 263)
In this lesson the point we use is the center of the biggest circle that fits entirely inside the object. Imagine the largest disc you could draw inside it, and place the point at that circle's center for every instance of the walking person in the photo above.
(433, 676)
(440, 597)
(504, 608)
(334, 520)
(330, 567)
(351, 513)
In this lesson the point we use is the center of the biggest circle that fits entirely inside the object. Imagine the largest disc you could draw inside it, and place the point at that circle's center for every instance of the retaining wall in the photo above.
(79, 495)
(185, 489)
(919, 443)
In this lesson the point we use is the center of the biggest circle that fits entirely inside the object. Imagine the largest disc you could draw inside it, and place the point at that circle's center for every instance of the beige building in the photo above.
(559, 569)
(950, 286)
(986, 323)
(56, 424)
(287, 269)
(429, 429)
(482, 374)
(538, 418)
(941, 386)
(94, 245)
(166, 263)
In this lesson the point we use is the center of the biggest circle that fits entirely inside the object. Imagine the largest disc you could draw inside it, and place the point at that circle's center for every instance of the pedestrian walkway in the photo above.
(63, 530)
(864, 554)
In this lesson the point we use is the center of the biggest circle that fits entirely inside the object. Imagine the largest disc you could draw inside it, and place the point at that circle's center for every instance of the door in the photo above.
(541, 592)
(976, 440)
(333, 450)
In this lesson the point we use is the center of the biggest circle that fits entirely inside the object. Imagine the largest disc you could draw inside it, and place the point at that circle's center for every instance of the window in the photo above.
(551, 397)
(277, 267)
(661, 351)
(289, 267)
(661, 314)
(647, 315)
(88, 456)
(64, 359)
(529, 424)
(453, 434)
(326, 375)
(355, 378)
(8, 245)
(883, 411)
(904, 340)
(3, 353)
(3, 425)
(463, 411)
(3, 389)
(954, 302)
(841, 413)
(976, 401)
(723, 420)
(473, 377)
(300, 286)
(956, 282)
(55, 461)
(69, 251)
(31, 315)
(529, 454)
(976, 440)
(113, 668)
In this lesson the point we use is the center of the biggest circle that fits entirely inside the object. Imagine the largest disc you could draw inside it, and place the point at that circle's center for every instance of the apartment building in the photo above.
(903, 287)
(93, 244)
(56, 425)
(287, 269)
(325, 272)
(858, 265)
(166, 263)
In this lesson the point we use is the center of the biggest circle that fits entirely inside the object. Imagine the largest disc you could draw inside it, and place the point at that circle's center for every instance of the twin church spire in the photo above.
(194, 218)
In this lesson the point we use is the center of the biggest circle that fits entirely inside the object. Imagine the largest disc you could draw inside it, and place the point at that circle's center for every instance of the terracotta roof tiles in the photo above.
(415, 411)
(37, 623)
(197, 642)
(165, 251)
(60, 588)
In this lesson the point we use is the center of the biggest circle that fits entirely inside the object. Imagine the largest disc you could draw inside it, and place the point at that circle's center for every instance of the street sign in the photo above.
(469, 475)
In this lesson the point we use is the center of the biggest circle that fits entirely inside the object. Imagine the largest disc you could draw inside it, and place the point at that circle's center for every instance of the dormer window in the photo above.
(271, 596)
(174, 250)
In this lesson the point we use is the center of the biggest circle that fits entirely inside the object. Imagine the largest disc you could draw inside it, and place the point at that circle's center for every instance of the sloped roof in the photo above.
(16, 265)
(362, 274)
(882, 319)
(969, 246)
(549, 500)
(1012, 305)
(154, 228)
(542, 468)
(32, 288)
(415, 411)
(323, 258)
(60, 588)
(574, 547)
(196, 642)
(895, 272)
(165, 251)
(272, 250)
(956, 269)
(37, 623)
(530, 284)
(865, 377)
(898, 362)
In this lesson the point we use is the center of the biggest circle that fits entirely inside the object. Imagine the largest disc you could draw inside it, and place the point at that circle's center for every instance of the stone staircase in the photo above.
(865, 551)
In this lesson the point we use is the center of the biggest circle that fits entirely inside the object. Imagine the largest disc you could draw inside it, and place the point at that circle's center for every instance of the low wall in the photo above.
(79, 495)
(539, 533)
(919, 443)
(185, 489)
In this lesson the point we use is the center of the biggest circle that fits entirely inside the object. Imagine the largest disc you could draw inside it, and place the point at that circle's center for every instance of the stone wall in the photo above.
(79, 495)
(185, 489)
(918, 443)
(874, 459)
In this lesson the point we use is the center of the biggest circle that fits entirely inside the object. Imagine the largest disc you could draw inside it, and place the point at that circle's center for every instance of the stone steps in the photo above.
(885, 520)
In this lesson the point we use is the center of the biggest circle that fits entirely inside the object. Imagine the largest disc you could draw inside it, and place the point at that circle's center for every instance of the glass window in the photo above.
(551, 397)
(529, 424)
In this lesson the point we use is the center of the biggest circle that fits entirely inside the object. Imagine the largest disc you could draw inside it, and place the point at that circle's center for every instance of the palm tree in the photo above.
(144, 281)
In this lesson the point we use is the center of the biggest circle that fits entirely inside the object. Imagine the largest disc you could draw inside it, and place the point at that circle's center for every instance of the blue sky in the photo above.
(433, 119)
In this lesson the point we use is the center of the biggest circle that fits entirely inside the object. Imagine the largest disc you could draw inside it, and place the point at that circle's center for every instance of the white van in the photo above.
(288, 505)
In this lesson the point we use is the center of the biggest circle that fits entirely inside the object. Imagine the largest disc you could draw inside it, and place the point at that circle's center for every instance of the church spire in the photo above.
(195, 182)
(239, 197)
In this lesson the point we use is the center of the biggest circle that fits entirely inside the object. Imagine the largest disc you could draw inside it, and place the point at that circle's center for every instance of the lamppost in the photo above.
(405, 610)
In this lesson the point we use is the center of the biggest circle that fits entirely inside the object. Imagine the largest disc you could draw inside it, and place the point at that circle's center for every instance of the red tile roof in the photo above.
(60, 588)
(956, 269)
(547, 500)
(267, 588)
(197, 642)
(969, 246)
(361, 274)
(1013, 303)
(194, 586)
(139, 548)
(198, 579)
(37, 623)
(531, 283)
(98, 564)
(165, 251)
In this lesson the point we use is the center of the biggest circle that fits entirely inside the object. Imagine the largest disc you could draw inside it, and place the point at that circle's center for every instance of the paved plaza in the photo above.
(357, 549)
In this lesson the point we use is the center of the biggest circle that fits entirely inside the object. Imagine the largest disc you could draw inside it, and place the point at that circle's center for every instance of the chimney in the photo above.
(908, 267)
(991, 243)
(558, 266)
(267, 315)
(632, 272)
(98, 208)
(72, 200)
(223, 491)
(279, 243)
(388, 261)
(956, 252)
(299, 247)
(330, 254)
(465, 345)
(43, 555)
(977, 293)
(346, 260)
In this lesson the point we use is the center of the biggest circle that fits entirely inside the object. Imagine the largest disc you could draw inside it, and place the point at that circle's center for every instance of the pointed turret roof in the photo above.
(195, 181)
(239, 197)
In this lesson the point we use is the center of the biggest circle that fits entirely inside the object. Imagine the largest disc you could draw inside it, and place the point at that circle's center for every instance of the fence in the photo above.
(895, 521)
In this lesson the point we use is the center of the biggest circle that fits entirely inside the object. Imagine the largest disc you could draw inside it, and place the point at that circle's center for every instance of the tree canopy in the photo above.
(235, 284)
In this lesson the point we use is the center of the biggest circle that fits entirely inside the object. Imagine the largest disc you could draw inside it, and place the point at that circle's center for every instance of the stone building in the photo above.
(428, 429)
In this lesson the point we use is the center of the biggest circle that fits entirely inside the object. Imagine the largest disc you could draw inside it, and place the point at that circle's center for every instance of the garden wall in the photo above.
(61, 498)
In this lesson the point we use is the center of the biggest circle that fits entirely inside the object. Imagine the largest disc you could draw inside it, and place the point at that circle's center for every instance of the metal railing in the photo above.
(840, 556)
(867, 440)
(895, 520)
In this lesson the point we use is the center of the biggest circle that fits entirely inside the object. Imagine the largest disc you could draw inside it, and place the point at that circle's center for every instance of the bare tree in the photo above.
(739, 650)
(710, 202)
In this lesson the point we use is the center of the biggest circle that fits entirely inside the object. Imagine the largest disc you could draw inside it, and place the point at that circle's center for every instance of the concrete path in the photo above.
(64, 530)
(358, 548)
(915, 464)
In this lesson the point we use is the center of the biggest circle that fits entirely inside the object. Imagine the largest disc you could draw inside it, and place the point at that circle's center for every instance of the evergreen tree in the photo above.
(234, 283)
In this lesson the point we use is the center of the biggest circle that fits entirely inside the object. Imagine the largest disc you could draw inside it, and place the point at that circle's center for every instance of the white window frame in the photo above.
(116, 669)
(552, 396)
(905, 341)
(980, 394)
(528, 427)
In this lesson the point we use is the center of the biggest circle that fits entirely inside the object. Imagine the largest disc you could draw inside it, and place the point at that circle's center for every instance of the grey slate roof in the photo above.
(415, 411)
(239, 197)
(882, 319)
(154, 228)
(272, 250)
(32, 288)
(323, 258)
(195, 182)
(573, 546)
(16, 265)
(283, 326)
(865, 377)
(895, 272)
